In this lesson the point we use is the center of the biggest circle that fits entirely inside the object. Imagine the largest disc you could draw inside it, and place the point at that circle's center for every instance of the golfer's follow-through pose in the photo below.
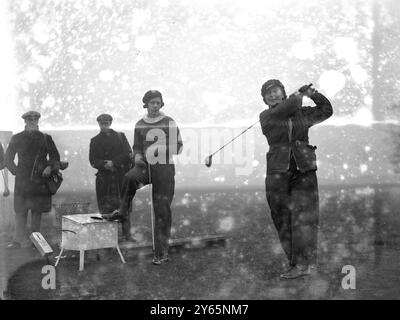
(291, 181)
(156, 139)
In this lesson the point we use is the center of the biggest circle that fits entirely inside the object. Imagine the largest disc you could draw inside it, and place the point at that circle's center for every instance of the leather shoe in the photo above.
(296, 272)
(116, 215)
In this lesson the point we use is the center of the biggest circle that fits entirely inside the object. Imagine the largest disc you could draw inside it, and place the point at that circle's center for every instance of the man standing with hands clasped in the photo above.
(110, 153)
(291, 181)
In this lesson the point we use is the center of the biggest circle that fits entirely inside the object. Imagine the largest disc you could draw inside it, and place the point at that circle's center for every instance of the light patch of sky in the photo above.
(163, 3)
(106, 75)
(242, 19)
(43, 61)
(104, 3)
(303, 50)
(8, 75)
(358, 73)
(217, 101)
(331, 82)
(49, 102)
(26, 102)
(25, 5)
(240, 4)
(139, 17)
(192, 21)
(122, 42)
(145, 42)
(77, 65)
(213, 39)
(33, 75)
(346, 48)
(368, 100)
(41, 31)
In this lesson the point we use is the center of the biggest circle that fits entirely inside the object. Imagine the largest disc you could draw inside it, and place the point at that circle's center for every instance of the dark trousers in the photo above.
(108, 194)
(294, 203)
(21, 218)
(163, 183)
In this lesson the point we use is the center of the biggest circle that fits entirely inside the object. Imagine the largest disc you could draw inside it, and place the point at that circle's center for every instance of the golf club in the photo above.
(208, 160)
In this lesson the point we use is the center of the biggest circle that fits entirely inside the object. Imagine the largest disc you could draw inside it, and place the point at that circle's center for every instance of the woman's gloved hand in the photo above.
(307, 90)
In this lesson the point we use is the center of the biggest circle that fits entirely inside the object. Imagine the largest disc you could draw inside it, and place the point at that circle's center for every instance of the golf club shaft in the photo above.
(309, 86)
(234, 138)
(151, 207)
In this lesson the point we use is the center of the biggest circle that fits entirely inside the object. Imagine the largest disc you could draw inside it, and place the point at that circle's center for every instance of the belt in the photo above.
(295, 143)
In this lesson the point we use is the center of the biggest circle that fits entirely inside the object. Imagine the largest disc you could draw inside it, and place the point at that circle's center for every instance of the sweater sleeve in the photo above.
(175, 140)
(138, 146)
(285, 109)
(322, 111)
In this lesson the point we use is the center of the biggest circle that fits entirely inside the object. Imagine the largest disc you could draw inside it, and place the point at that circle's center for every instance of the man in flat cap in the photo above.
(110, 154)
(38, 157)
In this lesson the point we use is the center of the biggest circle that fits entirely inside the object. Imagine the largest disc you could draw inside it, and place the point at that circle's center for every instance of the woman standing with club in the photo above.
(156, 139)
(291, 182)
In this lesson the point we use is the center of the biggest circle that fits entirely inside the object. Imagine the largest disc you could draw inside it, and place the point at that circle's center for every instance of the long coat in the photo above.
(35, 151)
(115, 147)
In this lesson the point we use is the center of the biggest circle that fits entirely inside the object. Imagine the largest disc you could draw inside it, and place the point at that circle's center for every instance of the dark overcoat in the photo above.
(115, 147)
(35, 151)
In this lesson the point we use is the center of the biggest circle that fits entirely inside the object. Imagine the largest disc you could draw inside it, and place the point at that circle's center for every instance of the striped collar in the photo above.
(147, 119)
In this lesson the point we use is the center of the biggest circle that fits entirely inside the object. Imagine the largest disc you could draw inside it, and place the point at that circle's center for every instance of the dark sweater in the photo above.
(275, 126)
(157, 142)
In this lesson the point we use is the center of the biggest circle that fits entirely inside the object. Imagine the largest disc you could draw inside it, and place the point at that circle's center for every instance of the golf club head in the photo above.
(64, 165)
(6, 193)
(208, 161)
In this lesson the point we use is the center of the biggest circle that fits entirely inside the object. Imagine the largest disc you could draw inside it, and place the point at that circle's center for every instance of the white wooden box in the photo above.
(81, 232)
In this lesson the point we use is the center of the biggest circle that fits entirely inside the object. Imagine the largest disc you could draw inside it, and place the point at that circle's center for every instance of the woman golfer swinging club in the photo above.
(156, 139)
(291, 182)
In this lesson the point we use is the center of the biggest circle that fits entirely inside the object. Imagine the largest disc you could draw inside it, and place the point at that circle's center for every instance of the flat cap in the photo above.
(104, 117)
(270, 84)
(31, 114)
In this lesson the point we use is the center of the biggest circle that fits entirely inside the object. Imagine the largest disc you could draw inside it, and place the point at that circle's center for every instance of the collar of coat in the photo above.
(147, 119)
